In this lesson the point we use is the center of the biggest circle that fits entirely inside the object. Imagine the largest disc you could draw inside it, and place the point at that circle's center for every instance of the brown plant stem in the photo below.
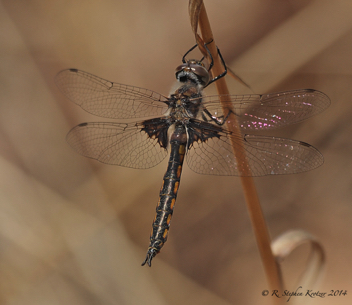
(271, 267)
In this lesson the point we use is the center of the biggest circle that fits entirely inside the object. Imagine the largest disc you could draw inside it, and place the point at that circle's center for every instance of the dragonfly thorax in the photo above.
(193, 71)
(186, 102)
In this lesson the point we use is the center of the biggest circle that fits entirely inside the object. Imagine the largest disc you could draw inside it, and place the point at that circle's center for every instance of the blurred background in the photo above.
(75, 231)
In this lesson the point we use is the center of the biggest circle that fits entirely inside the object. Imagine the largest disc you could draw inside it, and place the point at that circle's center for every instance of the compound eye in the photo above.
(201, 72)
(180, 68)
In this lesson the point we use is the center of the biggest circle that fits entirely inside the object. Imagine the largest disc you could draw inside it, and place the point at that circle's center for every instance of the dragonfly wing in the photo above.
(107, 99)
(121, 144)
(278, 156)
(265, 155)
(211, 155)
(268, 111)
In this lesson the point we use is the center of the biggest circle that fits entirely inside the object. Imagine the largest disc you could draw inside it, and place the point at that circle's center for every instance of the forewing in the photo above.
(268, 111)
(107, 99)
(117, 144)
(265, 155)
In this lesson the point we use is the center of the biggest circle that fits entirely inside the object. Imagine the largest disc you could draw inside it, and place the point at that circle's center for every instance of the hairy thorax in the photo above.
(186, 102)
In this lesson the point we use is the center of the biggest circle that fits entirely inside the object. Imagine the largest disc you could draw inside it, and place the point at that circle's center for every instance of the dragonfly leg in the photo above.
(190, 50)
(212, 63)
(218, 120)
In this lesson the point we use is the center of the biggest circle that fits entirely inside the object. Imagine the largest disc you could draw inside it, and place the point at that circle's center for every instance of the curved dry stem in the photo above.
(199, 17)
(289, 241)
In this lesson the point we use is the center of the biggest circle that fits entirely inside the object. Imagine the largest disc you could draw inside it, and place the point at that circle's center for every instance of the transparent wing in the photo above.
(109, 100)
(117, 143)
(265, 155)
(267, 111)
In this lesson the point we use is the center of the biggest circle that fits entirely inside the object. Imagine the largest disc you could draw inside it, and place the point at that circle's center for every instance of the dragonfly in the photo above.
(189, 125)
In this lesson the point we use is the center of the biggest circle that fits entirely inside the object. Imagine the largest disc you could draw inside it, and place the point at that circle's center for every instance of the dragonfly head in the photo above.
(194, 71)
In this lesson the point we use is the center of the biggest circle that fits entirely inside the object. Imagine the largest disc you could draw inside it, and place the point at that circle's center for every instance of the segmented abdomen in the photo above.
(168, 193)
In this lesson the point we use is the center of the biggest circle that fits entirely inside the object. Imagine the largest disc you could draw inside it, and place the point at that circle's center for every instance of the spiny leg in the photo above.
(218, 120)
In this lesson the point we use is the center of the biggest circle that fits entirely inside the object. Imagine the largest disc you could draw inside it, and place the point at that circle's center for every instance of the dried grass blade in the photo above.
(289, 241)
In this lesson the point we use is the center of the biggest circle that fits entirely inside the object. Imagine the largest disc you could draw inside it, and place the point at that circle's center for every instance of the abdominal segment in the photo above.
(168, 194)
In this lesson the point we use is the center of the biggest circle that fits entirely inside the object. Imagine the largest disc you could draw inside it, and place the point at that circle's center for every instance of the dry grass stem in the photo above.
(199, 17)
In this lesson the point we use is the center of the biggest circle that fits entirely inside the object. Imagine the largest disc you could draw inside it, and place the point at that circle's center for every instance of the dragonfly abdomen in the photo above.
(168, 193)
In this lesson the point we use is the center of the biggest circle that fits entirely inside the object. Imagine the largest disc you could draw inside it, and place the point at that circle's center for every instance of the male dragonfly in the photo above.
(187, 123)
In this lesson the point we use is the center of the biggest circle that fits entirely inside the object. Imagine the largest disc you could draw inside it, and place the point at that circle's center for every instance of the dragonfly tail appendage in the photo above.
(150, 254)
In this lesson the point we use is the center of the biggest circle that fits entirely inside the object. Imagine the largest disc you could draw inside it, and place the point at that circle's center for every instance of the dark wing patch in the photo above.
(117, 144)
(268, 111)
(157, 129)
(107, 99)
(200, 131)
